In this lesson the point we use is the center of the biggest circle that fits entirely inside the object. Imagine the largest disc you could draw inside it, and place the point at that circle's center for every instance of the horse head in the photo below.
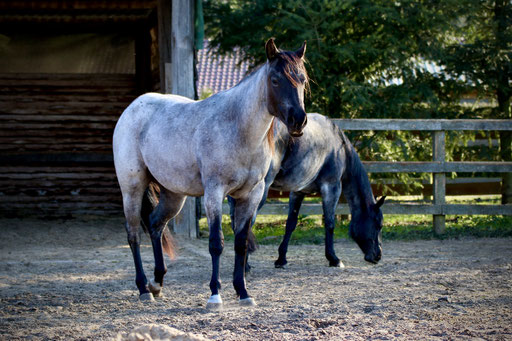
(286, 82)
(365, 230)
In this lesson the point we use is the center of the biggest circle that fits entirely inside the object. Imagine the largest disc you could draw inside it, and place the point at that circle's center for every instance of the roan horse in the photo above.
(186, 148)
(324, 161)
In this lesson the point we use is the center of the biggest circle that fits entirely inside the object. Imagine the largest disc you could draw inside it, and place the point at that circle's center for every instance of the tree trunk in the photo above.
(502, 9)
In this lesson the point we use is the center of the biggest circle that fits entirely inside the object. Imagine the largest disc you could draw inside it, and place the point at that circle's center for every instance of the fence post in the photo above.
(439, 154)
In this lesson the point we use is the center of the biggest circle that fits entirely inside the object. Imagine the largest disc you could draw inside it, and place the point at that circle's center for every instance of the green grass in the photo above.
(270, 229)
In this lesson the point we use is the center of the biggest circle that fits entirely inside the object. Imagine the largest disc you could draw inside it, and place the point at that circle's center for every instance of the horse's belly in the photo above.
(178, 175)
(294, 181)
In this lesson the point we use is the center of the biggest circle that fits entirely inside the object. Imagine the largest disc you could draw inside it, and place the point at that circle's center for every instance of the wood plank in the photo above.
(437, 166)
(57, 125)
(78, 140)
(69, 76)
(446, 209)
(67, 98)
(60, 118)
(89, 108)
(53, 176)
(422, 124)
(439, 182)
(53, 169)
(70, 83)
(54, 133)
(55, 148)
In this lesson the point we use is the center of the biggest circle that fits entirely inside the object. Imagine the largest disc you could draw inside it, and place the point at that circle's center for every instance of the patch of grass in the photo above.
(310, 230)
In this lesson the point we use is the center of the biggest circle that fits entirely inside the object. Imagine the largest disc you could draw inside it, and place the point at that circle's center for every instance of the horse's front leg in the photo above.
(330, 197)
(291, 223)
(213, 206)
(252, 244)
(245, 212)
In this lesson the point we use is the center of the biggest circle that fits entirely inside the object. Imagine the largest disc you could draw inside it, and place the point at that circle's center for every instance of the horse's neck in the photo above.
(356, 185)
(249, 100)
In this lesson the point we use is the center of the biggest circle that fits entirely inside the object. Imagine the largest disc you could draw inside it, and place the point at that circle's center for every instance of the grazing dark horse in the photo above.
(324, 161)
(186, 148)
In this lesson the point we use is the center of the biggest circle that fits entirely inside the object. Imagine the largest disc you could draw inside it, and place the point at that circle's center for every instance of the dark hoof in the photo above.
(279, 264)
(336, 264)
(155, 288)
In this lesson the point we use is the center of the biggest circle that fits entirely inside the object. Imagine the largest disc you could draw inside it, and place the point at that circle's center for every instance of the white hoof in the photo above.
(247, 302)
(147, 297)
(341, 265)
(155, 288)
(214, 302)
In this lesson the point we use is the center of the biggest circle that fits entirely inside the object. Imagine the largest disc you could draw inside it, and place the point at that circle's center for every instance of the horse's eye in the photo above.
(274, 81)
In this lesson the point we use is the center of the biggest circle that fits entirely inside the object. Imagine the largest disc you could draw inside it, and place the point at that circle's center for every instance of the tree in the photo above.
(367, 57)
(356, 48)
(479, 49)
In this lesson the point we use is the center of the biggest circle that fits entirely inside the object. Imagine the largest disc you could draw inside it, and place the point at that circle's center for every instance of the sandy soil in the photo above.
(75, 280)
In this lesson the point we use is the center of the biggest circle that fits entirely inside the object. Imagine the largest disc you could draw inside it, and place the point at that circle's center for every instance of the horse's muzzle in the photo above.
(296, 127)
(373, 257)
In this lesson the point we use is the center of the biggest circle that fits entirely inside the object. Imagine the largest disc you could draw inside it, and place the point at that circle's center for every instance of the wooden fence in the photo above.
(438, 166)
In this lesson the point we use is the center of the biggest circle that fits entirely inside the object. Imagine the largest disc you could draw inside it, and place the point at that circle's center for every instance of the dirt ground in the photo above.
(75, 280)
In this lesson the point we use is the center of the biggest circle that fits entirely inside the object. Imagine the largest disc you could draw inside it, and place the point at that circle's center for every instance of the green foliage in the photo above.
(357, 49)
(354, 47)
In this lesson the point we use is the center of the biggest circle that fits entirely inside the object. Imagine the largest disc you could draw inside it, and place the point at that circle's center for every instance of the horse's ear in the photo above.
(271, 49)
(380, 202)
(301, 51)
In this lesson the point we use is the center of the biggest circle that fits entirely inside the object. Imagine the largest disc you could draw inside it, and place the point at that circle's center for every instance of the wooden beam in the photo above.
(422, 125)
(437, 167)
(182, 83)
(439, 155)
(391, 208)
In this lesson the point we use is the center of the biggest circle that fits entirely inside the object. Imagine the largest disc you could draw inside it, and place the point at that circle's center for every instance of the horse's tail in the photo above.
(149, 202)
(252, 244)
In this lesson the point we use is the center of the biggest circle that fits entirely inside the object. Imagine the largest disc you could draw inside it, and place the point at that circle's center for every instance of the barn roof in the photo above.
(216, 72)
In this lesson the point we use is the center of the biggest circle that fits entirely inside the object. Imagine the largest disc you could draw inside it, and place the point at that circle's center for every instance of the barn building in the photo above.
(68, 68)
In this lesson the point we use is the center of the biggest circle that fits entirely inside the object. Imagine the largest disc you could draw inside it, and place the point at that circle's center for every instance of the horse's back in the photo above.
(154, 134)
(313, 157)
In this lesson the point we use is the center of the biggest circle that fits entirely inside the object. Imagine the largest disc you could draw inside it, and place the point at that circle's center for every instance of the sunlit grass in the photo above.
(269, 229)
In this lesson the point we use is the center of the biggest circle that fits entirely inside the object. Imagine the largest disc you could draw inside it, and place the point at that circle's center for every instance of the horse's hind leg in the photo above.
(133, 185)
(330, 197)
(168, 207)
(291, 224)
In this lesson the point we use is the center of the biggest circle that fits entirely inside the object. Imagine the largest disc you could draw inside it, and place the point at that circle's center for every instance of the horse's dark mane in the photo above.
(292, 64)
(355, 179)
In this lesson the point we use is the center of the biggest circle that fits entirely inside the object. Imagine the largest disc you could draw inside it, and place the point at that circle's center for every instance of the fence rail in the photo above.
(438, 167)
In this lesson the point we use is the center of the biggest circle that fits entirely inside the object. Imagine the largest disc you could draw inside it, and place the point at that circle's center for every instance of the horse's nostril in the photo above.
(305, 121)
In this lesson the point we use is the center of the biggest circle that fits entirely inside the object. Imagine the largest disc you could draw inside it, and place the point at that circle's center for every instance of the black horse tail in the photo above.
(149, 202)
(252, 244)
